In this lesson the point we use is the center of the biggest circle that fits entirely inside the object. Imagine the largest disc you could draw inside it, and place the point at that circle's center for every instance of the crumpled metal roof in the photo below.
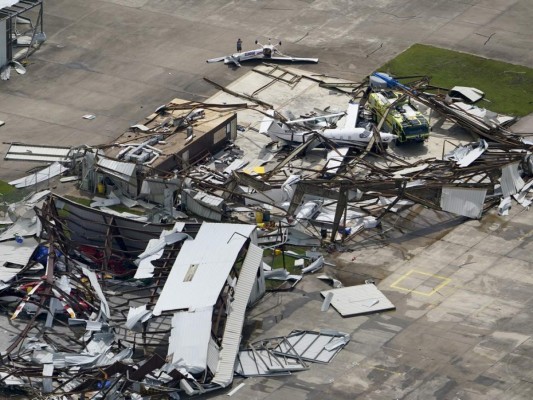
(202, 267)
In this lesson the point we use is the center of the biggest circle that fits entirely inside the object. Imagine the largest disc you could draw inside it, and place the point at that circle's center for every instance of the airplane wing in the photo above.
(214, 60)
(351, 115)
(294, 59)
(232, 59)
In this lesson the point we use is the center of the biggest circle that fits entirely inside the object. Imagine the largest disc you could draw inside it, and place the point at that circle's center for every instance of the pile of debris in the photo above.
(108, 297)
(106, 306)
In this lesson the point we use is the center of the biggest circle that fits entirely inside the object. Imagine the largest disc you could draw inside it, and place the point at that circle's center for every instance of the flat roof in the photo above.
(175, 138)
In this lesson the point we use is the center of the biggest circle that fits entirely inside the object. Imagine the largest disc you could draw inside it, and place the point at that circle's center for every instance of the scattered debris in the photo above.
(358, 300)
(154, 301)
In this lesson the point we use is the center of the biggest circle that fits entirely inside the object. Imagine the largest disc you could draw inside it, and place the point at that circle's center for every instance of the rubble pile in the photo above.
(102, 300)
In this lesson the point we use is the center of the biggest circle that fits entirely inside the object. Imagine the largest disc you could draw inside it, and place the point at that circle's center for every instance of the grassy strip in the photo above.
(507, 87)
(6, 188)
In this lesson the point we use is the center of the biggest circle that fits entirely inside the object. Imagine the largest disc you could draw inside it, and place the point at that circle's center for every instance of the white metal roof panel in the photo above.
(7, 3)
(235, 321)
(122, 170)
(16, 253)
(359, 299)
(189, 339)
(463, 201)
(49, 172)
(202, 266)
(37, 153)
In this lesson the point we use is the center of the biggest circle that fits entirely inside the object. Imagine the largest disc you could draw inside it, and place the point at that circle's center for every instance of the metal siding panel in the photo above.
(235, 321)
(224, 242)
(189, 338)
(22, 157)
(199, 209)
(463, 201)
(37, 153)
(212, 355)
(511, 181)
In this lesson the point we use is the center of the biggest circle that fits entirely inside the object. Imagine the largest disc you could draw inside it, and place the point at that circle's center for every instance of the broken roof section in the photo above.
(358, 300)
(202, 267)
(27, 152)
(469, 94)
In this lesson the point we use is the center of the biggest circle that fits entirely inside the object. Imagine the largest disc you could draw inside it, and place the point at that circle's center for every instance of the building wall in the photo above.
(3, 43)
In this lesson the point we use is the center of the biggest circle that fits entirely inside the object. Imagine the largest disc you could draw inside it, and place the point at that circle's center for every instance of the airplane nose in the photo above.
(387, 137)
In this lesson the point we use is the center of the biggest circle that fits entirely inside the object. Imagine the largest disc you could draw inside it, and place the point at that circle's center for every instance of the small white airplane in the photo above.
(268, 52)
(349, 135)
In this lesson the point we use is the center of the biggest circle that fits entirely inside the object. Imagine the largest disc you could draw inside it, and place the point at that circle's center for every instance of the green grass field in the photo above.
(508, 87)
(5, 188)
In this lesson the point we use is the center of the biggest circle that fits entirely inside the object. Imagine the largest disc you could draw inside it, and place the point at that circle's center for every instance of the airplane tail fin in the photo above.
(270, 127)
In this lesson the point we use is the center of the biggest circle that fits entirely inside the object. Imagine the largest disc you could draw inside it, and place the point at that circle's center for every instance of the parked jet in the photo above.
(268, 52)
(349, 135)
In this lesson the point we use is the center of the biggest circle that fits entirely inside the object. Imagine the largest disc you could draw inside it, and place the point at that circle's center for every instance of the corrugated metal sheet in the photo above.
(463, 201)
(16, 253)
(210, 200)
(189, 339)
(213, 352)
(511, 181)
(121, 170)
(213, 253)
(359, 299)
(235, 321)
(198, 208)
(37, 153)
(153, 186)
(43, 175)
